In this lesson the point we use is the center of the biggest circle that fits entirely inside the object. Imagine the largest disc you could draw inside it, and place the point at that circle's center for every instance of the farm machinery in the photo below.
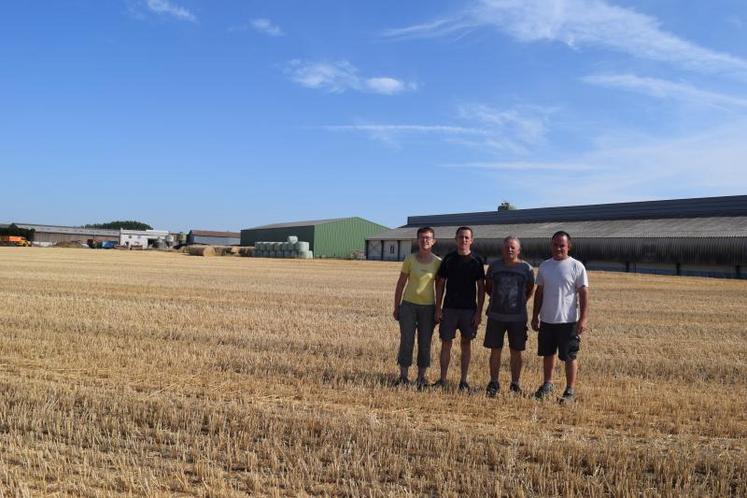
(14, 240)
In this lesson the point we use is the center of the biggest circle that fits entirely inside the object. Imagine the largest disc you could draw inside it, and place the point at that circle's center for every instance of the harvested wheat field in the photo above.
(163, 374)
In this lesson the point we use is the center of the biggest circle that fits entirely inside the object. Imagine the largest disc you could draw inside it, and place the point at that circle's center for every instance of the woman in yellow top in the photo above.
(416, 311)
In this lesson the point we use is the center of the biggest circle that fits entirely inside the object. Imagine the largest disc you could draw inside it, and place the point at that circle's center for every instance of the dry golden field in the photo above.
(160, 374)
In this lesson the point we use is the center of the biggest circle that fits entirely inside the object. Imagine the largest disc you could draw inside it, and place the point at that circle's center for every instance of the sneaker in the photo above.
(464, 387)
(544, 391)
(492, 390)
(439, 384)
(569, 396)
(402, 382)
(515, 389)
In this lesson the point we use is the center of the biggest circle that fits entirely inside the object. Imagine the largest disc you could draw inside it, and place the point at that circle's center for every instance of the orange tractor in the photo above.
(14, 240)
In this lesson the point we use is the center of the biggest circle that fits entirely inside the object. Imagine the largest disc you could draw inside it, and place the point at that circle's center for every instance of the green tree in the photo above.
(506, 206)
(116, 225)
(14, 229)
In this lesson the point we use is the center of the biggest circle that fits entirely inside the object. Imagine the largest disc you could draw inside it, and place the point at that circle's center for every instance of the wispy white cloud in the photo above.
(579, 23)
(408, 128)
(394, 134)
(737, 22)
(514, 130)
(165, 7)
(522, 166)
(709, 163)
(265, 26)
(387, 86)
(340, 76)
(665, 89)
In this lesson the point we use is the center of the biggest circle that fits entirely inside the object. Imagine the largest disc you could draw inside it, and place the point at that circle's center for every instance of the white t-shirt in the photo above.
(560, 281)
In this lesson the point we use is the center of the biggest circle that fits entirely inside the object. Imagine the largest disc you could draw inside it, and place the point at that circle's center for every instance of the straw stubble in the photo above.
(153, 373)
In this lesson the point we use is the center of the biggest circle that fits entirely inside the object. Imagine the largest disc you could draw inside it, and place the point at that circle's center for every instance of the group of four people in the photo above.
(451, 293)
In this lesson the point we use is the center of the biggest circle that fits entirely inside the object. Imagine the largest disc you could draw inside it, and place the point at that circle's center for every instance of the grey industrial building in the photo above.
(330, 238)
(53, 234)
(209, 237)
(702, 236)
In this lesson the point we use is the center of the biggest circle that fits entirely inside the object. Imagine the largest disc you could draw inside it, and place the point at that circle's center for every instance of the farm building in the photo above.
(703, 236)
(141, 238)
(213, 238)
(47, 235)
(332, 238)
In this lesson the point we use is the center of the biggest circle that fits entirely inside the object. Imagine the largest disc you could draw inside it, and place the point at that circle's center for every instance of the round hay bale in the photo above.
(301, 246)
(292, 239)
(306, 254)
(201, 251)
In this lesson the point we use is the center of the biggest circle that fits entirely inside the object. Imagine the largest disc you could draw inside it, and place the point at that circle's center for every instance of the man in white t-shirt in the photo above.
(560, 314)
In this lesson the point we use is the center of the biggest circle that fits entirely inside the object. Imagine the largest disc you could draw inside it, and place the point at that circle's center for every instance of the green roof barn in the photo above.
(333, 238)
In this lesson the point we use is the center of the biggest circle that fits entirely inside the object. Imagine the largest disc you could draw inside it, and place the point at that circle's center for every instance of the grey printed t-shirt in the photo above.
(508, 301)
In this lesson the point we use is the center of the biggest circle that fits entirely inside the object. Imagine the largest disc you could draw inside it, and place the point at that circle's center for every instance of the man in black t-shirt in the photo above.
(462, 273)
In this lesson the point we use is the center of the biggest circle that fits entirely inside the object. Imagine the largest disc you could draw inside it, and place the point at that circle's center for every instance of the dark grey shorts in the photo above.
(561, 338)
(453, 319)
(496, 329)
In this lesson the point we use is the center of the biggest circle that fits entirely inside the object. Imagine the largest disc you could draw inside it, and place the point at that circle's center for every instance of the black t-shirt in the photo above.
(461, 273)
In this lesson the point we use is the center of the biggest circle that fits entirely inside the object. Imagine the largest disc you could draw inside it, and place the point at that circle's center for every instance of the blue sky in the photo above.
(226, 115)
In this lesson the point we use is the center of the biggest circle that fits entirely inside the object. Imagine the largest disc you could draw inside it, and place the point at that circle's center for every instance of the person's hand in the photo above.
(535, 324)
(582, 326)
(476, 319)
(437, 315)
(395, 314)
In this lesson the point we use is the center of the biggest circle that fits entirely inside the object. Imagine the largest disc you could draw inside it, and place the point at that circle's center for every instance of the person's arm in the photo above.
(480, 302)
(440, 283)
(530, 289)
(536, 308)
(489, 286)
(398, 293)
(530, 282)
(583, 305)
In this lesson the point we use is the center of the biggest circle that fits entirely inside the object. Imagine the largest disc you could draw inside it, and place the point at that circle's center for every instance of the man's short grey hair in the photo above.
(512, 237)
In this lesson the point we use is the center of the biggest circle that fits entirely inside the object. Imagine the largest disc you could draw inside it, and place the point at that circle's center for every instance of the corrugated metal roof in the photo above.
(69, 230)
(300, 223)
(731, 226)
(209, 233)
(735, 205)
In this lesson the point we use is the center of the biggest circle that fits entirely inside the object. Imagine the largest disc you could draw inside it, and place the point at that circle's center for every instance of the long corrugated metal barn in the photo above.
(704, 236)
(330, 238)
(53, 234)
(211, 237)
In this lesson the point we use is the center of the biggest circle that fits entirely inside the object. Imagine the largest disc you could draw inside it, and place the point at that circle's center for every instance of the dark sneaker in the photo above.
(544, 391)
(515, 389)
(464, 387)
(492, 390)
(439, 384)
(569, 396)
(402, 382)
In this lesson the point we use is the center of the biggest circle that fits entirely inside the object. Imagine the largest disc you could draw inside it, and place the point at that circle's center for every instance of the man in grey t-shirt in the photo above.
(509, 282)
